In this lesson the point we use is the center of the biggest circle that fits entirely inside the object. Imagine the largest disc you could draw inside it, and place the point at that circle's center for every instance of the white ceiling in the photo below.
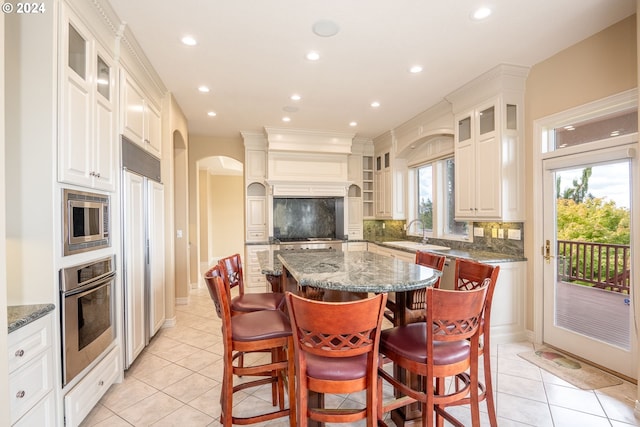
(252, 54)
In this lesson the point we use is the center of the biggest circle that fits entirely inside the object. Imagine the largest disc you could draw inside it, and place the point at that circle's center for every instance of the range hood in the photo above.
(304, 163)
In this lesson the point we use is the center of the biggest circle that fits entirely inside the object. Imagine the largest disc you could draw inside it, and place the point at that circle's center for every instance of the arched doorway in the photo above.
(220, 209)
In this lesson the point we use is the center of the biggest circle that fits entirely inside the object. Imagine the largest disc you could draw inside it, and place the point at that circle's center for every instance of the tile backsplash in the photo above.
(492, 238)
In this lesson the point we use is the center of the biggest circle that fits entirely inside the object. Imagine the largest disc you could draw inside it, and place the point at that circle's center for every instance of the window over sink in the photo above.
(432, 186)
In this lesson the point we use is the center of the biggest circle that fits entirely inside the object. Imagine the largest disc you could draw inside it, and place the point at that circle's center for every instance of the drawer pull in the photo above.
(101, 383)
(20, 394)
(19, 353)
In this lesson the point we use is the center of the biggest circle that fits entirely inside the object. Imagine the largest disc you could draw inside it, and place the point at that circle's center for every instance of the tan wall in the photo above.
(227, 221)
(175, 179)
(599, 66)
(201, 147)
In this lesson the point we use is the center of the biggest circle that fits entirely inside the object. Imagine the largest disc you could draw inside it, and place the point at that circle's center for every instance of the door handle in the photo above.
(546, 251)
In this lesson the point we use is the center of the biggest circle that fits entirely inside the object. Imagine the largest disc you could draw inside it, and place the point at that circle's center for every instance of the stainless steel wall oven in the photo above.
(87, 301)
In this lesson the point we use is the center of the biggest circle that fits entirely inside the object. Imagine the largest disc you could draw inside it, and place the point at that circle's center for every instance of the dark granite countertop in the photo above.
(476, 255)
(21, 315)
(356, 271)
(473, 254)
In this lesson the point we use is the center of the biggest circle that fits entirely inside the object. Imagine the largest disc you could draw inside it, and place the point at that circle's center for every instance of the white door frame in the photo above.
(597, 108)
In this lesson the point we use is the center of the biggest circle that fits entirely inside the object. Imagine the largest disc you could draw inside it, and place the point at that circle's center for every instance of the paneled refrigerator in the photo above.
(142, 248)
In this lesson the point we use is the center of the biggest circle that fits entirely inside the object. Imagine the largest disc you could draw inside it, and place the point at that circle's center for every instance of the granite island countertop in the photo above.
(21, 315)
(355, 271)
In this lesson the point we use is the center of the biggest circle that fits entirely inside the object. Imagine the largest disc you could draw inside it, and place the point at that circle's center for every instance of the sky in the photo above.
(610, 181)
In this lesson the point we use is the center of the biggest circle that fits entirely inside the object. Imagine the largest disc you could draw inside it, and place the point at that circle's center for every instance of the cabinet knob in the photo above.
(101, 383)
(97, 175)
(19, 353)
(20, 394)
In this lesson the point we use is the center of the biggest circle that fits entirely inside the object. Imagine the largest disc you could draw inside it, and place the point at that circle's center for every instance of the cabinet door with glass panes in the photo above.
(86, 122)
(487, 156)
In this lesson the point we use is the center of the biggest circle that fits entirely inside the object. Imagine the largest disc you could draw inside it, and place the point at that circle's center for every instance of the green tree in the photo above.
(426, 213)
(598, 221)
(580, 190)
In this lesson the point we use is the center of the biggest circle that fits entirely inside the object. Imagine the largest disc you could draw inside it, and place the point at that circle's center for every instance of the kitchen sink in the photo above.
(417, 246)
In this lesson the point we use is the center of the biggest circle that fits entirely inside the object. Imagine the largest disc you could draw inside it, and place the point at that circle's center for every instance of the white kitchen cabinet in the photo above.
(81, 399)
(507, 312)
(141, 121)
(31, 373)
(254, 280)
(489, 164)
(356, 246)
(355, 226)
(389, 182)
(86, 151)
(255, 165)
(256, 215)
(155, 195)
(134, 240)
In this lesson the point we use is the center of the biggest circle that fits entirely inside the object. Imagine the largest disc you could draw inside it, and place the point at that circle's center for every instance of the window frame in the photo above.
(439, 202)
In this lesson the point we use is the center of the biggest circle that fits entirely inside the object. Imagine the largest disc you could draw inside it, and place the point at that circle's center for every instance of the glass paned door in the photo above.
(587, 252)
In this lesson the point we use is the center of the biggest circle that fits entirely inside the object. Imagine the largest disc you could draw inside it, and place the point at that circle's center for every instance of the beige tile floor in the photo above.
(176, 382)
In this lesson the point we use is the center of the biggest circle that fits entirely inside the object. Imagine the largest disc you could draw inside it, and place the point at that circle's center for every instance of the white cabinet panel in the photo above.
(156, 256)
(31, 374)
(141, 121)
(134, 264)
(84, 396)
(86, 151)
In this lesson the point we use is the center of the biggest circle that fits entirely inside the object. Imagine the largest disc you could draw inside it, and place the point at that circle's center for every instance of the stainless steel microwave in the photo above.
(86, 221)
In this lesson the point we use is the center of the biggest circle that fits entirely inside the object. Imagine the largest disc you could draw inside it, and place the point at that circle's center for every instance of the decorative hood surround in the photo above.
(308, 141)
(303, 163)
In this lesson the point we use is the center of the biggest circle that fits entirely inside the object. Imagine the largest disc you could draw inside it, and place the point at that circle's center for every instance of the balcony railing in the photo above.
(600, 265)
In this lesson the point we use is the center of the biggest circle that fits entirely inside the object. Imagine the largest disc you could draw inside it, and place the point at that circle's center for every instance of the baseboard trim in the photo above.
(169, 323)
(182, 301)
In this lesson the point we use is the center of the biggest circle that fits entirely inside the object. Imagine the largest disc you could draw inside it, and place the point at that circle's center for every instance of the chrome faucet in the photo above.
(424, 229)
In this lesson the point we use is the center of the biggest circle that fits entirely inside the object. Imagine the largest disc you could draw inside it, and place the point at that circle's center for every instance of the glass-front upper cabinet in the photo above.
(487, 120)
(103, 78)
(464, 129)
(77, 53)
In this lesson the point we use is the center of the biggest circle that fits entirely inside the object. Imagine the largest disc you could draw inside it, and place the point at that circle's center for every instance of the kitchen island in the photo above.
(340, 276)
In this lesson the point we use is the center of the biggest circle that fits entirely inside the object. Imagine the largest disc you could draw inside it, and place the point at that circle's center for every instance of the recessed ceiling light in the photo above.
(189, 41)
(325, 28)
(615, 133)
(415, 69)
(353, 124)
(569, 128)
(375, 104)
(203, 89)
(286, 119)
(211, 114)
(313, 56)
(481, 13)
(296, 97)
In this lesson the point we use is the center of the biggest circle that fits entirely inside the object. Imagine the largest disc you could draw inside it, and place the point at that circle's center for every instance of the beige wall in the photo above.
(201, 147)
(600, 66)
(227, 219)
(175, 179)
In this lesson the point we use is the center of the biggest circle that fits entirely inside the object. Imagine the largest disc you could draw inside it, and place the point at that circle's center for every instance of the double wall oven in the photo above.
(88, 320)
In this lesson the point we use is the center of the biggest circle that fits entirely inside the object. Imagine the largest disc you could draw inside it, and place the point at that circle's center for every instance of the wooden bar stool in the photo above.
(415, 300)
(233, 276)
(472, 275)
(336, 352)
(445, 345)
(266, 330)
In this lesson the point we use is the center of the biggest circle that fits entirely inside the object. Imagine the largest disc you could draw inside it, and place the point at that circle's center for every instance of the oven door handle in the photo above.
(90, 286)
